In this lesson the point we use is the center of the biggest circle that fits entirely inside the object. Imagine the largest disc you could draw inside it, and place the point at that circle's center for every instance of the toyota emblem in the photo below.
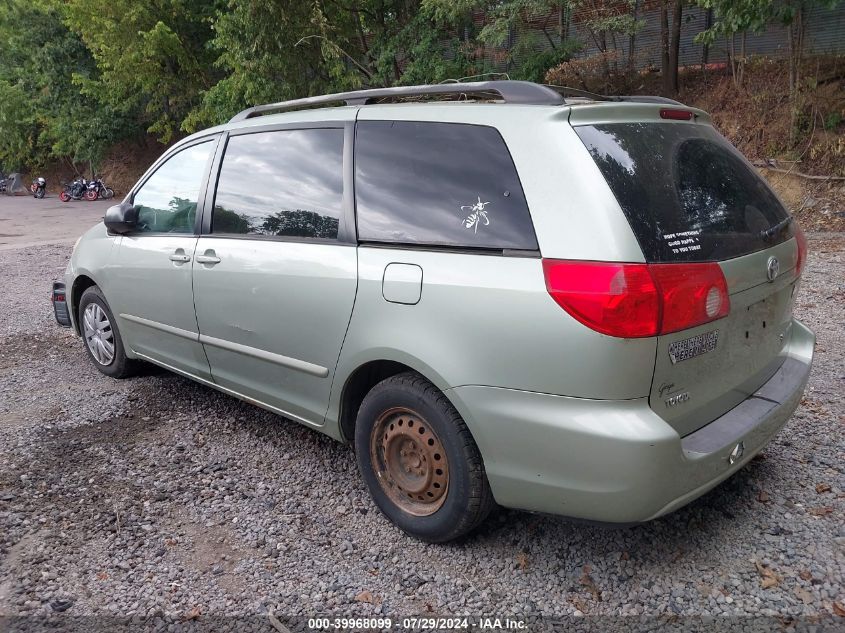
(772, 268)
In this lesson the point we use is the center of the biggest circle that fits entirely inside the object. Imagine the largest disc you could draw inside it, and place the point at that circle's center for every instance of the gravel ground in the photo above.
(156, 496)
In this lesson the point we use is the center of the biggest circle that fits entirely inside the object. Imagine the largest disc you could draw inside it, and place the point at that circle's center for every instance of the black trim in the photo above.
(462, 250)
(274, 238)
(213, 178)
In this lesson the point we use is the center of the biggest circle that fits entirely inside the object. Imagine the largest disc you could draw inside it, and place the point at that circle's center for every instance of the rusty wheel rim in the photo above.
(409, 461)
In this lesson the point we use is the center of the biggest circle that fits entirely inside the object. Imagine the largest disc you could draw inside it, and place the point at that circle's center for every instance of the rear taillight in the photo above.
(638, 300)
(801, 239)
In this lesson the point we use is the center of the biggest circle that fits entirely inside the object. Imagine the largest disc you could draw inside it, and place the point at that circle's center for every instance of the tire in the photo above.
(64, 196)
(116, 365)
(402, 425)
(108, 194)
(91, 195)
(39, 194)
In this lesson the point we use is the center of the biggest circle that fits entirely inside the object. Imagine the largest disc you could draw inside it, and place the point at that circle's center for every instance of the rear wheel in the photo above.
(64, 196)
(91, 194)
(101, 336)
(420, 461)
(39, 193)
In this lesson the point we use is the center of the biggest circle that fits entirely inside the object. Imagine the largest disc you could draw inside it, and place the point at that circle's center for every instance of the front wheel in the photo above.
(107, 194)
(420, 461)
(91, 195)
(101, 337)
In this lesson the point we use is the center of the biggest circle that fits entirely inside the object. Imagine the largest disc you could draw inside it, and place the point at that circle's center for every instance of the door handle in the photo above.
(176, 257)
(208, 259)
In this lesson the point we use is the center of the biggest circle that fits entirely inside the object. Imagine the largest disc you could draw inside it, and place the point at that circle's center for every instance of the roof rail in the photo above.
(522, 92)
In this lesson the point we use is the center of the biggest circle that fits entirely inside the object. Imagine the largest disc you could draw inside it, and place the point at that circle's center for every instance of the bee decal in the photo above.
(477, 215)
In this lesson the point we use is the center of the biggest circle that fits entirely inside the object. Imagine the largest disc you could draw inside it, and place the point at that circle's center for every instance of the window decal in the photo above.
(477, 215)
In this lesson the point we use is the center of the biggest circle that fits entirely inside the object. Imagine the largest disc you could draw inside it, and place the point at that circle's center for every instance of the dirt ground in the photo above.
(25, 221)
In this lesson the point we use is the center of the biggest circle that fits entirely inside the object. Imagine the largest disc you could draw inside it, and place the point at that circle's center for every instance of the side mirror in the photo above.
(121, 218)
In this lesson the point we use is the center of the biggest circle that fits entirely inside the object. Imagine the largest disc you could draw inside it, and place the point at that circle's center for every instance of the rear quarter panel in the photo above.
(486, 320)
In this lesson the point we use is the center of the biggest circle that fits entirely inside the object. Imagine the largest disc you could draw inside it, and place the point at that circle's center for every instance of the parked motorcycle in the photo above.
(38, 187)
(75, 190)
(2, 184)
(98, 189)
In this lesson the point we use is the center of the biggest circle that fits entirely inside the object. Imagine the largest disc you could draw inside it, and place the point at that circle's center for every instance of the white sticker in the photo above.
(477, 215)
(683, 241)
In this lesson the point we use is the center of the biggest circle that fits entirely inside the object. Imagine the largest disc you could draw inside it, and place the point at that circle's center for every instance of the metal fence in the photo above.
(824, 33)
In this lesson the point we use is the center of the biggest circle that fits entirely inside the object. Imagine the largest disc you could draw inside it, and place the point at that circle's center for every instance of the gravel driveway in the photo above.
(156, 496)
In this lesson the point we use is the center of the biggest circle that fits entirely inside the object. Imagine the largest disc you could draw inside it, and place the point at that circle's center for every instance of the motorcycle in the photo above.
(38, 187)
(2, 184)
(74, 191)
(98, 189)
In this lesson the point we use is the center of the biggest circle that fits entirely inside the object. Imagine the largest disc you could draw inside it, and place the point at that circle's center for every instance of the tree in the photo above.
(519, 28)
(152, 57)
(732, 18)
(670, 45)
(44, 111)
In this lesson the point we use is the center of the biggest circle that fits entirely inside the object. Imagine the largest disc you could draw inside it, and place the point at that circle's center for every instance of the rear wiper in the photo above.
(770, 232)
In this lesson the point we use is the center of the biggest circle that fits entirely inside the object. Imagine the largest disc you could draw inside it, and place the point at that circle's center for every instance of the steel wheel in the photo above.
(99, 335)
(410, 461)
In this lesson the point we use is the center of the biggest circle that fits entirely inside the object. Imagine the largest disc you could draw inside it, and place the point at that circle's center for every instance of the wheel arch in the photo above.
(80, 284)
(366, 375)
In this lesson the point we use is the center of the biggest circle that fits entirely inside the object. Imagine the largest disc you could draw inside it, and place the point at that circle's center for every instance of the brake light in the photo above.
(801, 239)
(676, 115)
(638, 300)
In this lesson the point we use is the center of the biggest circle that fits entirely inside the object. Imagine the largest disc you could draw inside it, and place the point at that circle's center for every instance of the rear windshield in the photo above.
(687, 193)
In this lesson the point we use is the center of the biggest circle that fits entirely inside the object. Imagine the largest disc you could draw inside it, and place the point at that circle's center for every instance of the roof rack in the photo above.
(510, 91)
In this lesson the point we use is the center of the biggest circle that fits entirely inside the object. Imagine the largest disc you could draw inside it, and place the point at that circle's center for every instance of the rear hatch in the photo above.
(690, 196)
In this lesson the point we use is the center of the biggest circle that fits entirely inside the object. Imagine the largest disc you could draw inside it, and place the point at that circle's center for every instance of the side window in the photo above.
(167, 202)
(438, 184)
(287, 183)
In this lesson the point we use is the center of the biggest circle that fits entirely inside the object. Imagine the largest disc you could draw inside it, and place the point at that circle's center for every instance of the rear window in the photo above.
(688, 194)
(440, 184)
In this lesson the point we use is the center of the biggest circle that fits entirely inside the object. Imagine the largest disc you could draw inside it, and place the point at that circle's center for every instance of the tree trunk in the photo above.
(675, 49)
(632, 39)
(796, 53)
(664, 47)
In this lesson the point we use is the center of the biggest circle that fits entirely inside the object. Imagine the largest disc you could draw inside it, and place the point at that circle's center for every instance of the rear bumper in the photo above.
(618, 461)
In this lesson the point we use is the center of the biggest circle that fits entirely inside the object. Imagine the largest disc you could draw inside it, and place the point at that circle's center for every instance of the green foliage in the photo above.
(44, 110)
(153, 57)
(742, 16)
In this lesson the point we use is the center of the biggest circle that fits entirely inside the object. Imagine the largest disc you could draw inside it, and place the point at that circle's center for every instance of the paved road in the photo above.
(25, 221)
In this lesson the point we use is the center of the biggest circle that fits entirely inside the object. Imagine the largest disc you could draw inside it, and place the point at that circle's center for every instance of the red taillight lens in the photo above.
(802, 250)
(638, 300)
(691, 294)
(676, 115)
(615, 299)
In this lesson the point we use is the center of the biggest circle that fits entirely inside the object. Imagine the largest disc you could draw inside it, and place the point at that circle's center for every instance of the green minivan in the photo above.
(499, 292)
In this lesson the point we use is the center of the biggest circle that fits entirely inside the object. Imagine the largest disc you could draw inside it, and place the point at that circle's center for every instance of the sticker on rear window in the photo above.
(477, 215)
(692, 347)
(684, 241)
